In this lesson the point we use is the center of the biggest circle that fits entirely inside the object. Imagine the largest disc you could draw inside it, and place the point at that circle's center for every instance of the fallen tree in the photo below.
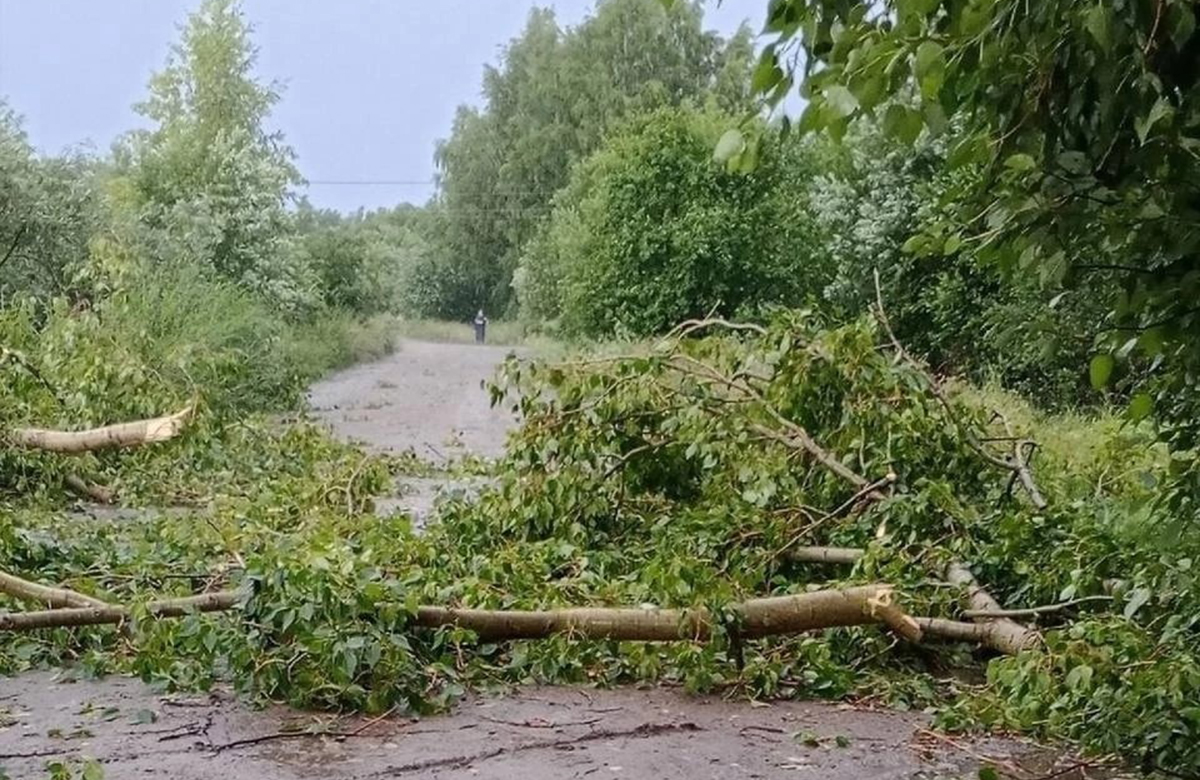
(761, 617)
(700, 470)
(861, 605)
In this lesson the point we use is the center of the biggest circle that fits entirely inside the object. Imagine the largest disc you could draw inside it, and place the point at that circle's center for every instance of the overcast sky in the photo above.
(370, 85)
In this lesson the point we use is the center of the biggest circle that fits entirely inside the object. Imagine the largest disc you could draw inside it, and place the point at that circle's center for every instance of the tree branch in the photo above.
(129, 434)
(1017, 462)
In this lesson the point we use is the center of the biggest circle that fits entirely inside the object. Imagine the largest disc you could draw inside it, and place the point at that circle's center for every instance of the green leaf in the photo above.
(952, 245)
(1075, 163)
(1137, 599)
(1098, 21)
(1100, 370)
(1080, 677)
(903, 123)
(1140, 406)
(1158, 112)
(92, 770)
(731, 143)
(767, 73)
(1020, 162)
(143, 717)
(988, 773)
(1183, 24)
(841, 101)
(930, 68)
(935, 117)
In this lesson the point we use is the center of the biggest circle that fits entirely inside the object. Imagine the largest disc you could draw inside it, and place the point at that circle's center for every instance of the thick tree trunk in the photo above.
(130, 434)
(862, 605)
(759, 617)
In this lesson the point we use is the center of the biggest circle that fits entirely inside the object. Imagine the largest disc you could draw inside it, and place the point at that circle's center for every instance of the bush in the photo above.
(651, 231)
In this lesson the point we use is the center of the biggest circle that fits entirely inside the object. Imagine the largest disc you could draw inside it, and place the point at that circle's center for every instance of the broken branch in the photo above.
(1005, 635)
(85, 489)
(130, 434)
(53, 597)
(1017, 463)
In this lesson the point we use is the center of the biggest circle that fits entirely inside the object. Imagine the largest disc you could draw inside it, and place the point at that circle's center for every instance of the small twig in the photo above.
(350, 506)
(383, 716)
(20, 360)
(1031, 611)
(530, 724)
(1007, 766)
(12, 248)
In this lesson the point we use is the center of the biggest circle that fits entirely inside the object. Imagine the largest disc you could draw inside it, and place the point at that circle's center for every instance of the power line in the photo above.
(374, 182)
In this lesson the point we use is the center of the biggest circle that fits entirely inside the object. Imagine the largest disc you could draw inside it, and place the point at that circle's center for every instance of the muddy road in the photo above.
(427, 397)
(424, 397)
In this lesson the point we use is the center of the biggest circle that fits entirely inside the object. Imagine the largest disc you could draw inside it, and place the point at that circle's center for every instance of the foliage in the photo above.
(364, 263)
(547, 106)
(645, 479)
(208, 180)
(1081, 116)
(49, 209)
(871, 195)
(650, 232)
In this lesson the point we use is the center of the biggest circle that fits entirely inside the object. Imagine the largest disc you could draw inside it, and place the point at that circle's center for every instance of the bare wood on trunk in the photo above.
(991, 628)
(130, 434)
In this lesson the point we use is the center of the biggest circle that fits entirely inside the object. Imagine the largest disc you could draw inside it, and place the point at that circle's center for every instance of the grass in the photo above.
(338, 339)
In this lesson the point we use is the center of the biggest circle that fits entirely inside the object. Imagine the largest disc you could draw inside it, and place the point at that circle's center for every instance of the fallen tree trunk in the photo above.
(130, 434)
(770, 616)
(861, 605)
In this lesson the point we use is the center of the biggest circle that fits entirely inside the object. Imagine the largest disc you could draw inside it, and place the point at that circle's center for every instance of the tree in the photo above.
(1081, 115)
(209, 175)
(870, 196)
(365, 262)
(550, 102)
(651, 231)
(49, 210)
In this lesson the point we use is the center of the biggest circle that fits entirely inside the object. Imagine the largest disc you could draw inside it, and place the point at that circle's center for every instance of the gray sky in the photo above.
(370, 85)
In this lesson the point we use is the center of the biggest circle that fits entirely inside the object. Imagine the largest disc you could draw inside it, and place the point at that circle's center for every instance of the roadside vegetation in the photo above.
(916, 366)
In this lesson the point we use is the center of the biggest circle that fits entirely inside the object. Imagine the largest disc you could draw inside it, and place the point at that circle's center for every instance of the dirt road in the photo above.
(422, 397)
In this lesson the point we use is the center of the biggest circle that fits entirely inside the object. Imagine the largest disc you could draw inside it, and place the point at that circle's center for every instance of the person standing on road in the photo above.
(480, 327)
